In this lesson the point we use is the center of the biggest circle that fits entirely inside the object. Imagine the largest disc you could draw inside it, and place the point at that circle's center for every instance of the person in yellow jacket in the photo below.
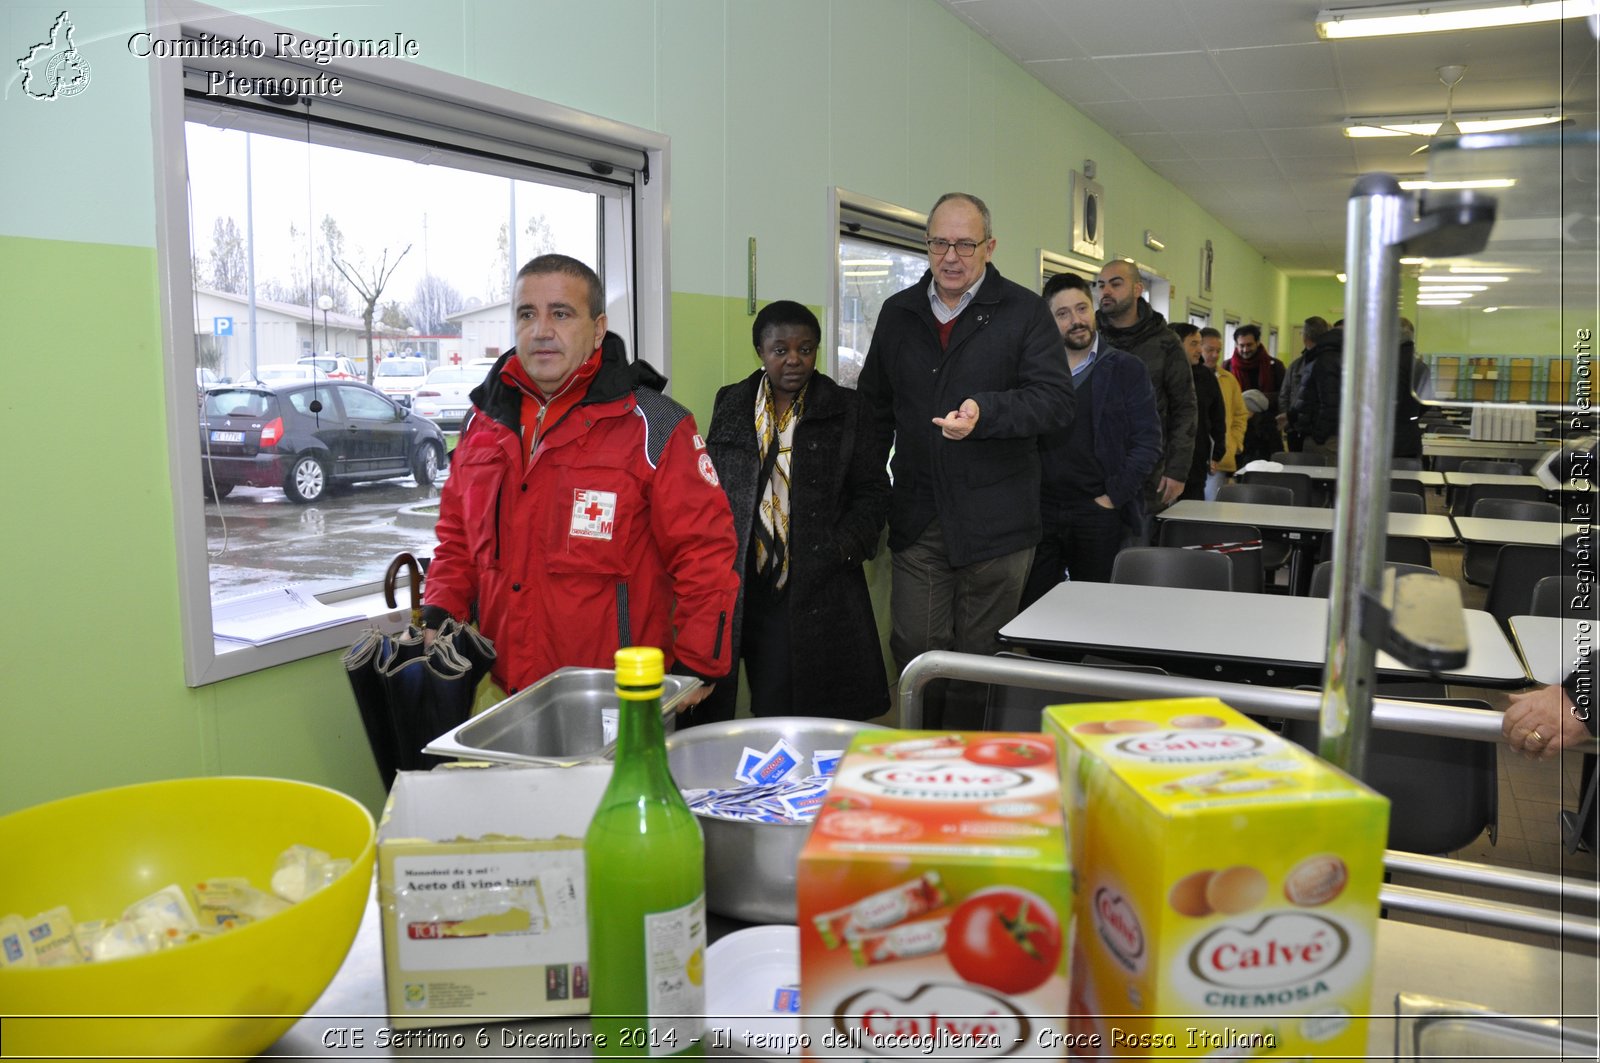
(1233, 402)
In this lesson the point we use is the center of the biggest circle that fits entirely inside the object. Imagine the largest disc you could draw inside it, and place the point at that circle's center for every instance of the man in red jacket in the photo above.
(582, 512)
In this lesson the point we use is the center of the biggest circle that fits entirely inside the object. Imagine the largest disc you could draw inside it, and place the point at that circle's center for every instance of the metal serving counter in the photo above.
(350, 1020)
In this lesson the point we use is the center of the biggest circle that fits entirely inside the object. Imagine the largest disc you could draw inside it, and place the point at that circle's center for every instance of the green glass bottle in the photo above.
(645, 868)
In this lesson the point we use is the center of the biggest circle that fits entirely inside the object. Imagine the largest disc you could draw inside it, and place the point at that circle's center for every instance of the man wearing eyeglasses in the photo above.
(963, 375)
(1130, 323)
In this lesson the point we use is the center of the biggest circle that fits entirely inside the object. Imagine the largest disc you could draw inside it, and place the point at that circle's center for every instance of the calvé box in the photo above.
(934, 899)
(1227, 894)
(481, 890)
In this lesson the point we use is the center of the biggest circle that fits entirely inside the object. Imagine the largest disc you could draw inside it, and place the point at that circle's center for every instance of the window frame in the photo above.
(1054, 262)
(531, 130)
(875, 221)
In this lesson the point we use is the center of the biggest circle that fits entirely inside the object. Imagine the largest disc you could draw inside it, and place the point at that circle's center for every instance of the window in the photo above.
(1230, 323)
(1052, 263)
(880, 252)
(1199, 314)
(1272, 341)
(382, 224)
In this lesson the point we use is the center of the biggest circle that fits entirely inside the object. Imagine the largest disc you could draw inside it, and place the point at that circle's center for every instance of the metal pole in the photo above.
(1377, 213)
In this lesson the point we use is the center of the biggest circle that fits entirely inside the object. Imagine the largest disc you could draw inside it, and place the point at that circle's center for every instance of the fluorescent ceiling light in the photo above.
(1413, 261)
(1341, 277)
(1490, 309)
(1488, 269)
(1426, 288)
(866, 262)
(1438, 17)
(1461, 278)
(1361, 128)
(1482, 182)
(1439, 302)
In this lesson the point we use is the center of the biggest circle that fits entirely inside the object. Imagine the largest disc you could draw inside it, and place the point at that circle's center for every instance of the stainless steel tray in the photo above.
(1431, 1029)
(559, 721)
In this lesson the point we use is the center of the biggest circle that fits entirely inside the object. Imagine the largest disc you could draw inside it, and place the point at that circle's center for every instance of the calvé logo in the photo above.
(1192, 747)
(937, 1017)
(1119, 928)
(1283, 949)
(951, 781)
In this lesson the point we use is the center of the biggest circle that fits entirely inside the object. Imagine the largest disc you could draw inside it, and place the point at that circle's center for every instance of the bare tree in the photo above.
(539, 238)
(370, 288)
(228, 266)
(435, 300)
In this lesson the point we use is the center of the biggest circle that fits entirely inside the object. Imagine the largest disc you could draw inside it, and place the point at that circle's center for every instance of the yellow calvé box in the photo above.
(1226, 897)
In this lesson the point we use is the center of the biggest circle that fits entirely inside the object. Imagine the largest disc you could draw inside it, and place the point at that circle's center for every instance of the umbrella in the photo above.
(410, 693)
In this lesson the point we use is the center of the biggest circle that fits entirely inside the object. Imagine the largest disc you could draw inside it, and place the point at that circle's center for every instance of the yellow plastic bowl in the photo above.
(227, 996)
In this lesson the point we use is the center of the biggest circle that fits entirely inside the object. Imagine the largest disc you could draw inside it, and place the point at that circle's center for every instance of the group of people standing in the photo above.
(1030, 437)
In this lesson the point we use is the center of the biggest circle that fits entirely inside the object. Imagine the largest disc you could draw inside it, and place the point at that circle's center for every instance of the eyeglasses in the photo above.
(939, 245)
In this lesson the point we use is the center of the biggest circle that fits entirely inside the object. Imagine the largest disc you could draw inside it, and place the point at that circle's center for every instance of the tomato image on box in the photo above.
(934, 894)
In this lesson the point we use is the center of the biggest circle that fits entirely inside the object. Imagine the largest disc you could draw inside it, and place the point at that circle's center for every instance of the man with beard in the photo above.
(1130, 323)
(1094, 470)
(1253, 366)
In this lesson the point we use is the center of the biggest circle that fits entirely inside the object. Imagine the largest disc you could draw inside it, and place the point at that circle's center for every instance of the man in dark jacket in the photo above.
(1211, 413)
(963, 375)
(1294, 380)
(1094, 470)
(1129, 323)
(1316, 415)
(1408, 403)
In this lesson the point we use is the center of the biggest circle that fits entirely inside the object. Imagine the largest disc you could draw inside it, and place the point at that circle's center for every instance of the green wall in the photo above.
(768, 104)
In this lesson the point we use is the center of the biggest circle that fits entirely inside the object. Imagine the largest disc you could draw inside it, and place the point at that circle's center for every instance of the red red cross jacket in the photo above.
(615, 532)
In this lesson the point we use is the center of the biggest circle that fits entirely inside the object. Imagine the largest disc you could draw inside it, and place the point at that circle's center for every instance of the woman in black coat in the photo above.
(808, 515)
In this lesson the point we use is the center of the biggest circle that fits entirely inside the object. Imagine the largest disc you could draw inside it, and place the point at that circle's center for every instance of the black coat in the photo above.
(838, 502)
(1005, 354)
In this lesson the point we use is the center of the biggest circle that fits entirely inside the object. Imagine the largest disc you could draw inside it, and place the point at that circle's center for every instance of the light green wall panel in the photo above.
(1457, 330)
(694, 107)
(61, 155)
(870, 89)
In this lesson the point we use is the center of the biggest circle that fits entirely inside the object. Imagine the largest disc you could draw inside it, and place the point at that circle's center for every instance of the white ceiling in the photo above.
(1240, 105)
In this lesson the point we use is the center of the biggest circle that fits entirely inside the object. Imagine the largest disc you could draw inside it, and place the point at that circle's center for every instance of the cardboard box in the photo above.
(481, 887)
(1227, 890)
(934, 895)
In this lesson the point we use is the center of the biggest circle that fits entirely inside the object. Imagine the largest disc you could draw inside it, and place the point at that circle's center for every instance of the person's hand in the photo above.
(958, 424)
(1283, 422)
(1540, 723)
(1104, 502)
(696, 696)
(1170, 490)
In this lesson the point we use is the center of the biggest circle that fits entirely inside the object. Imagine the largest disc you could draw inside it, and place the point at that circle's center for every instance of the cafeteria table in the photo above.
(1448, 446)
(1330, 473)
(1550, 645)
(1514, 532)
(1238, 636)
(350, 1021)
(1297, 522)
(1504, 479)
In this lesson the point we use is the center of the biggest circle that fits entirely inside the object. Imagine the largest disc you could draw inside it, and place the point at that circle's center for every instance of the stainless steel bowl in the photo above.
(558, 721)
(750, 867)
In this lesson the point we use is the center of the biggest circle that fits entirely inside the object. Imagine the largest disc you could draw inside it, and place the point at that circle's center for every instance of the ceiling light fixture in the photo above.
(1341, 277)
(1153, 242)
(1482, 182)
(1488, 269)
(1461, 278)
(1414, 261)
(1337, 24)
(1490, 309)
(1439, 302)
(1422, 126)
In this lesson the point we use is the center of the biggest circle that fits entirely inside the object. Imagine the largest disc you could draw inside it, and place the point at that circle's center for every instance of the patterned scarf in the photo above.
(775, 435)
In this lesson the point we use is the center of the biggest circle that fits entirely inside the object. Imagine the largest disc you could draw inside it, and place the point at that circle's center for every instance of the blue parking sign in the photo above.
(222, 326)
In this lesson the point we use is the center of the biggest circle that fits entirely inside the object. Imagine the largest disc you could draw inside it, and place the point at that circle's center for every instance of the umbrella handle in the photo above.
(415, 576)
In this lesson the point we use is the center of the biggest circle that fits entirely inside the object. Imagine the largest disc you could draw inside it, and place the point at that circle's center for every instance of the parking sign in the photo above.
(222, 326)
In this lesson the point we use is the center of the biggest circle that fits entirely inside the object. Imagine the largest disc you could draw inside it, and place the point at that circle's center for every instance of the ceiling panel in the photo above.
(1174, 74)
(1200, 89)
(1305, 66)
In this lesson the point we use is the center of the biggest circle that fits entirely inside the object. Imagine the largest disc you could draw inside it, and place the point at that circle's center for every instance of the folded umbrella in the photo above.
(410, 693)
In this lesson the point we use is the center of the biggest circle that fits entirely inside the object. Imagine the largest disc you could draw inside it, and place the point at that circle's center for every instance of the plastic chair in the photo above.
(1401, 486)
(1396, 548)
(1295, 457)
(1443, 792)
(1465, 499)
(1240, 543)
(1517, 571)
(1413, 464)
(1322, 575)
(1257, 493)
(1406, 502)
(1169, 566)
(1011, 708)
(1552, 596)
(1506, 468)
(1478, 560)
(1297, 482)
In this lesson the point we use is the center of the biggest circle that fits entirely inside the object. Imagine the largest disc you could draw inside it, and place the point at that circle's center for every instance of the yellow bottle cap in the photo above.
(640, 670)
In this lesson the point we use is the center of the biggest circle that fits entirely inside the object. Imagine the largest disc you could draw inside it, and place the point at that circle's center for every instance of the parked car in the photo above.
(308, 437)
(286, 373)
(337, 367)
(399, 377)
(444, 398)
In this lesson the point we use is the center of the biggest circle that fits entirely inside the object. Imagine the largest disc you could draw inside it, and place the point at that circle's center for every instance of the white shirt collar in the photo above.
(944, 314)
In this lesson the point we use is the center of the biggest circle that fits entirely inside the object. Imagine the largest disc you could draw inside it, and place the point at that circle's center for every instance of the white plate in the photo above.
(744, 972)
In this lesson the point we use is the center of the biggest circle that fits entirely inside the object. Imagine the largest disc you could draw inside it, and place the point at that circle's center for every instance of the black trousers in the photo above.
(1081, 546)
(766, 647)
